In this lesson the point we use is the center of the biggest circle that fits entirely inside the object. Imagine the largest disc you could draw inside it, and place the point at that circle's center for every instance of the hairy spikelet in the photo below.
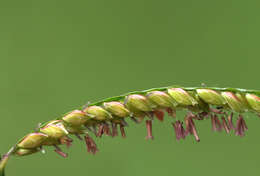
(106, 116)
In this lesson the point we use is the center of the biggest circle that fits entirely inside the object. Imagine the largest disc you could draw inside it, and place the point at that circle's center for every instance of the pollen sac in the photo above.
(54, 130)
(182, 97)
(98, 113)
(211, 97)
(233, 101)
(117, 109)
(161, 99)
(253, 101)
(76, 118)
(23, 152)
(138, 103)
(32, 140)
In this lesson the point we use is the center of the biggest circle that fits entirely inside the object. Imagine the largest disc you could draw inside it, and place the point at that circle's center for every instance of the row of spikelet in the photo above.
(201, 103)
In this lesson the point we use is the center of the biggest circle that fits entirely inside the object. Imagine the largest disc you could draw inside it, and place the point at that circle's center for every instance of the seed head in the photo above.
(32, 140)
(98, 113)
(161, 99)
(254, 102)
(233, 101)
(117, 109)
(76, 118)
(182, 97)
(211, 96)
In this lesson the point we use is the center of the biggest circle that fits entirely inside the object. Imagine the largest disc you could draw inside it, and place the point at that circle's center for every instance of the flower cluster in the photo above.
(105, 117)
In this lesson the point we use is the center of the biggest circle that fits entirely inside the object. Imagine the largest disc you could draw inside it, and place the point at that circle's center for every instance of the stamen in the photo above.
(244, 124)
(60, 152)
(107, 130)
(241, 126)
(218, 123)
(194, 131)
(122, 130)
(91, 145)
(176, 131)
(225, 125)
(114, 130)
(159, 114)
(188, 126)
(100, 130)
(149, 129)
(213, 123)
(180, 129)
(230, 121)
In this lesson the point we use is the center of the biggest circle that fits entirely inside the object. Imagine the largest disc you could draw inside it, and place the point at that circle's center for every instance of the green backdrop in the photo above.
(58, 54)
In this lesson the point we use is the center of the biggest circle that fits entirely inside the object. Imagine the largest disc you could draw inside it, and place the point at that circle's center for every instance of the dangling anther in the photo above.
(179, 130)
(225, 125)
(149, 129)
(194, 131)
(213, 123)
(218, 123)
(100, 130)
(241, 126)
(60, 152)
(230, 121)
(91, 145)
(122, 130)
(107, 129)
(114, 130)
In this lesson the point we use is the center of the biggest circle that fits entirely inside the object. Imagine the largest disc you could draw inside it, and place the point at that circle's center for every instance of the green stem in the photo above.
(4, 160)
(120, 97)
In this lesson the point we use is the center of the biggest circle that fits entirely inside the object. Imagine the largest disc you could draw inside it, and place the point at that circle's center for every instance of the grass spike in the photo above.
(201, 103)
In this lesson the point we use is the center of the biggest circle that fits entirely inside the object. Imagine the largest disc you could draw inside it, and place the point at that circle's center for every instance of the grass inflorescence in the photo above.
(108, 117)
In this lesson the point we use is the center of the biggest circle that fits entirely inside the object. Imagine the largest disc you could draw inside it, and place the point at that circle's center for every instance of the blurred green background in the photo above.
(56, 55)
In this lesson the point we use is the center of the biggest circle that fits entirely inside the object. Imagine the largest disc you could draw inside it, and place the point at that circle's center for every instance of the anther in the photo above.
(230, 121)
(91, 145)
(100, 130)
(122, 130)
(225, 125)
(114, 130)
(60, 152)
(149, 129)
